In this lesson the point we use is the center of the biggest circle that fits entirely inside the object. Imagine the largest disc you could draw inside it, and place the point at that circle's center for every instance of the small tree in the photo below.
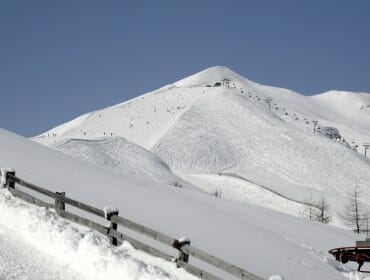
(309, 211)
(217, 193)
(322, 213)
(354, 213)
(316, 211)
(366, 223)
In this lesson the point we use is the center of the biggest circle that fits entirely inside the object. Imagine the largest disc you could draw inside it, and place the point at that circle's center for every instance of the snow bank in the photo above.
(81, 249)
(276, 277)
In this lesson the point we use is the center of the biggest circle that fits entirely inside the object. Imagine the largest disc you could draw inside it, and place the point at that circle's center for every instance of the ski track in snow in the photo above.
(122, 155)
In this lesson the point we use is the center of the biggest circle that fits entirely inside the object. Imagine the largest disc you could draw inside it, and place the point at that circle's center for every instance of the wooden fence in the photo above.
(185, 250)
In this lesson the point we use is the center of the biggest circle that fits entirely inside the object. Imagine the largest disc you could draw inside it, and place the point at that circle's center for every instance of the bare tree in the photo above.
(309, 211)
(316, 211)
(217, 193)
(354, 213)
(366, 223)
(322, 212)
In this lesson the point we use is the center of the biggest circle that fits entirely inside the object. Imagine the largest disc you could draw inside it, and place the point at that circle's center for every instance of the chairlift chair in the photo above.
(359, 253)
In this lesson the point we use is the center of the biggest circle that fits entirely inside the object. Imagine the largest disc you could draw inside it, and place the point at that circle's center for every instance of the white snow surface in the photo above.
(110, 210)
(276, 277)
(48, 247)
(20, 260)
(260, 240)
(189, 130)
(121, 155)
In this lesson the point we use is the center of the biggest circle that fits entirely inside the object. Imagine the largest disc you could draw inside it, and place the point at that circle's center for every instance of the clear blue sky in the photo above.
(59, 59)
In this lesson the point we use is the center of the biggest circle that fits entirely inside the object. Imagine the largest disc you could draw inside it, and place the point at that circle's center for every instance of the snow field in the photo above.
(257, 239)
(122, 155)
(241, 139)
(80, 250)
(194, 132)
(20, 261)
(235, 189)
(153, 113)
(194, 129)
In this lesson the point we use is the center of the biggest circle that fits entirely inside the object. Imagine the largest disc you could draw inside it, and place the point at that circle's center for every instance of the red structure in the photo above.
(360, 254)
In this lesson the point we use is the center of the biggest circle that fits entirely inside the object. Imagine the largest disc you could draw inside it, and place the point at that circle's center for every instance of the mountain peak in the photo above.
(210, 76)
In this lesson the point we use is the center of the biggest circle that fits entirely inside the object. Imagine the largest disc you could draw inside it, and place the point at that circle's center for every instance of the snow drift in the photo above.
(78, 249)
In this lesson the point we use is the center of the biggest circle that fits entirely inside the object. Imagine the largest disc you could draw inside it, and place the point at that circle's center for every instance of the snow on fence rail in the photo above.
(9, 180)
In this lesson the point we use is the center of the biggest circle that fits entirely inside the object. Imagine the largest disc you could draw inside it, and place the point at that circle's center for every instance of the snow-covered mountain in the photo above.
(120, 154)
(260, 240)
(220, 135)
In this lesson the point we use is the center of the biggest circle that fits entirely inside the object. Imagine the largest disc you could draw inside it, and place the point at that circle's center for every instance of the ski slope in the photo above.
(119, 154)
(199, 131)
(260, 240)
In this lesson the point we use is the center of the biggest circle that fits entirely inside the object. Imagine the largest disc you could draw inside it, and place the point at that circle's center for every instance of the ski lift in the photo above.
(359, 253)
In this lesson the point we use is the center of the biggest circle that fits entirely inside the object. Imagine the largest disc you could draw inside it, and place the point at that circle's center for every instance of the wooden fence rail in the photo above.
(185, 250)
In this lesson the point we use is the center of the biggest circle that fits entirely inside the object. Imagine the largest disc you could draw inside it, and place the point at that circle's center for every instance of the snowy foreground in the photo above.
(37, 244)
(260, 240)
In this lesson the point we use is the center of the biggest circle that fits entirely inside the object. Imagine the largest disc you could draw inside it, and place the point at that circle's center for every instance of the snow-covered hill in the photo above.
(262, 241)
(201, 131)
(119, 154)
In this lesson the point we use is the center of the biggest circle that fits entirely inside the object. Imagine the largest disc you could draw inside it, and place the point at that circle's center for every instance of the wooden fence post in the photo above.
(10, 183)
(109, 212)
(178, 244)
(59, 204)
(5, 181)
